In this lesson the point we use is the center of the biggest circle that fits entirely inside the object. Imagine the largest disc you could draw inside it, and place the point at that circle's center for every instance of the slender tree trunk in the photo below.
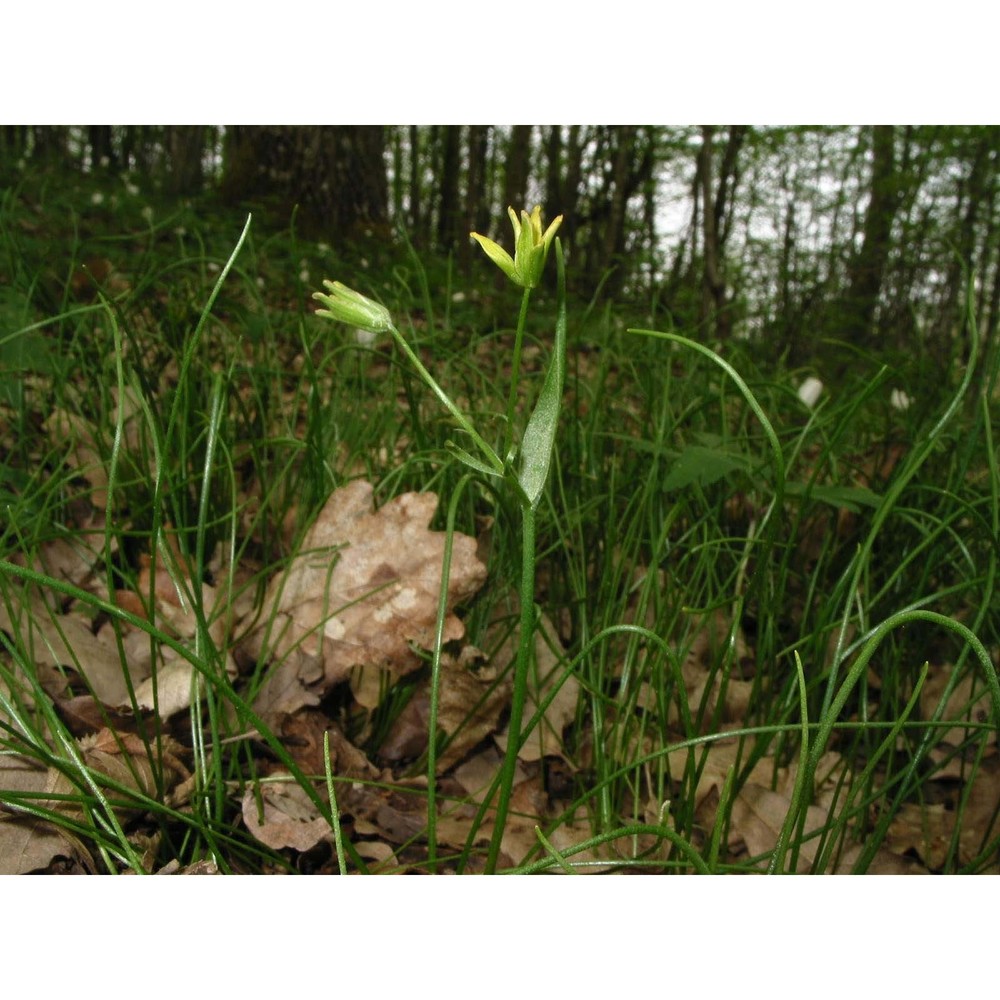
(570, 188)
(476, 215)
(729, 179)
(717, 219)
(416, 166)
(101, 151)
(449, 213)
(516, 175)
(784, 324)
(713, 287)
(976, 192)
(614, 229)
(50, 143)
(15, 140)
(866, 272)
(553, 170)
(650, 239)
(493, 180)
(360, 166)
(992, 322)
(397, 176)
(185, 150)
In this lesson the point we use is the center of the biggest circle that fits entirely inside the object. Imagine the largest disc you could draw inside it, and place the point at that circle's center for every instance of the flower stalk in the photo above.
(526, 485)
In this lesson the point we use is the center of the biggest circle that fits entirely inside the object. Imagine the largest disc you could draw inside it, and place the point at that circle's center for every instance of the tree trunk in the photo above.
(335, 174)
(416, 165)
(50, 143)
(613, 243)
(717, 219)
(448, 212)
(650, 240)
(866, 271)
(397, 175)
(102, 153)
(570, 189)
(553, 170)
(185, 150)
(975, 200)
(476, 215)
(516, 174)
(713, 286)
(14, 141)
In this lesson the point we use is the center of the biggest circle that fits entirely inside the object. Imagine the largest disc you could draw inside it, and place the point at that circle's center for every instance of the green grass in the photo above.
(809, 563)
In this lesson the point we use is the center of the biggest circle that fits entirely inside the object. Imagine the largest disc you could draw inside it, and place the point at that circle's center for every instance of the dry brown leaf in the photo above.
(959, 707)
(927, 830)
(174, 609)
(126, 760)
(924, 830)
(380, 806)
(65, 641)
(303, 735)
(84, 715)
(982, 808)
(715, 760)
(64, 426)
(168, 690)
(469, 707)
(198, 868)
(29, 844)
(474, 775)
(285, 817)
(73, 558)
(363, 588)
(699, 670)
(530, 807)
(56, 640)
(378, 851)
(758, 816)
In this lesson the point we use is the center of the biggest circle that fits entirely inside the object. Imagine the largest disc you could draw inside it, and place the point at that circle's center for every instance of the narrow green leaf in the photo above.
(703, 466)
(853, 498)
(470, 460)
(540, 434)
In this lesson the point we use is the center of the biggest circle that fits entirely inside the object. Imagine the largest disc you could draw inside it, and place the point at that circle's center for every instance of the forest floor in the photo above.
(766, 632)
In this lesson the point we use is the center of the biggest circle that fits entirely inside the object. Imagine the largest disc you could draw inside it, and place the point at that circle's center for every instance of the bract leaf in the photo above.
(540, 434)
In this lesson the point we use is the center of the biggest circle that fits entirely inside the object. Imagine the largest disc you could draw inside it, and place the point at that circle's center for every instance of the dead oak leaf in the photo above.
(927, 829)
(284, 816)
(363, 588)
(52, 641)
(28, 843)
(470, 704)
(968, 702)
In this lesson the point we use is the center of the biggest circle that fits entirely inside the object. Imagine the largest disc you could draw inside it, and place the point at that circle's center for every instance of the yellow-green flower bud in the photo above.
(348, 306)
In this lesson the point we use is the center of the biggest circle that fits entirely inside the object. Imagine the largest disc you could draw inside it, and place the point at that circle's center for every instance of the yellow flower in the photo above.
(531, 247)
(352, 307)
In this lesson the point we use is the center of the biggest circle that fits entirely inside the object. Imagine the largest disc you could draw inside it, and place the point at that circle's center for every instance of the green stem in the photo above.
(508, 434)
(488, 453)
(520, 693)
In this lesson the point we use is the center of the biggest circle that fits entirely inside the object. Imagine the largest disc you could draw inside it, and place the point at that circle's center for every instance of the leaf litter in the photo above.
(348, 622)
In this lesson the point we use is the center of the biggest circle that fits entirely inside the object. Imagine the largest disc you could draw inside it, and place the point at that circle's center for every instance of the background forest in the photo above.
(753, 590)
(792, 238)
